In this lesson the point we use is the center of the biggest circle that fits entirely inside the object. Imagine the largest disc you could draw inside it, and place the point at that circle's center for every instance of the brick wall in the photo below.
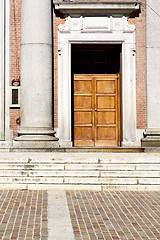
(141, 68)
(56, 22)
(140, 23)
(15, 14)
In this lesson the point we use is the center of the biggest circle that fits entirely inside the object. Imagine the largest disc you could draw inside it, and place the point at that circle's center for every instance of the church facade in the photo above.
(79, 74)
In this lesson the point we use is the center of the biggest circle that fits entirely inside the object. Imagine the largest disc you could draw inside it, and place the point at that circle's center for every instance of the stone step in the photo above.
(28, 166)
(111, 181)
(82, 149)
(71, 187)
(81, 161)
(77, 180)
(81, 155)
(94, 171)
(81, 167)
(51, 173)
(113, 167)
(130, 174)
(63, 173)
(105, 149)
(81, 158)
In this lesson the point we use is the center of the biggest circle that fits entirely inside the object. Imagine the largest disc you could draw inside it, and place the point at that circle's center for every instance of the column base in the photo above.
(30, 145)
(151, 138)
(36, 135)
(36, 138)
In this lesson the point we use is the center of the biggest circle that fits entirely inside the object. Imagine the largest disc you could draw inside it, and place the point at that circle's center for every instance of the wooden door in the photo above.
(96, 110)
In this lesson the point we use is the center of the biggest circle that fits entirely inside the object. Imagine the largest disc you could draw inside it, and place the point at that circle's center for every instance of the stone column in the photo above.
(36, 72)
(152, 133)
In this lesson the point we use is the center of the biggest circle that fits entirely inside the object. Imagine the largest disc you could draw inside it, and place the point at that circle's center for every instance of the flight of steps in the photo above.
(80, 171)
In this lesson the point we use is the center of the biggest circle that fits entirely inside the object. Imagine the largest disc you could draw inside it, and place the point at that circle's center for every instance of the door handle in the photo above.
(95, 110)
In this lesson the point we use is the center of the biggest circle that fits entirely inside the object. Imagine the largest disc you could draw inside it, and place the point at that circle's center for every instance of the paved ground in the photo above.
(115, 215)
(23, 215)
(79, 215)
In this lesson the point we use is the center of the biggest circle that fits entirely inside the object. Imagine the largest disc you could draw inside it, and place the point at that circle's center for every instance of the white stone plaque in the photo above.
(95, 23)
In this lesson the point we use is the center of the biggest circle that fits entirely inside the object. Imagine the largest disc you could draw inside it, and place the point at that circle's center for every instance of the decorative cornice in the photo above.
(77, 9)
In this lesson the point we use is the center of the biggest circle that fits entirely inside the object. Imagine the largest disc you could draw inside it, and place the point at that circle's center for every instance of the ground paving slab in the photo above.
(79, 215)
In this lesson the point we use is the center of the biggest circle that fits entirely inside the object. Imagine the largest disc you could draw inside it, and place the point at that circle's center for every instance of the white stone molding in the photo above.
(96, 24)
(116, 35)
(4, 70)
(7, 71)
(152, 133)
(2, 39)
(78, 9)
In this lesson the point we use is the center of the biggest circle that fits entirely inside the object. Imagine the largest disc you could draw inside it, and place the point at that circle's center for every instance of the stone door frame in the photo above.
(84, 30)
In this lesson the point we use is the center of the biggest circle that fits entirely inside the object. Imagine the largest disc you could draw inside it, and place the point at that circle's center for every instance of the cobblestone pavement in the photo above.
(94, 215)
(115, 215)
(23, 215)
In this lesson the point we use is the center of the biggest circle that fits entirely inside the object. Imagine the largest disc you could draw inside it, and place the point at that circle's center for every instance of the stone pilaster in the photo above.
(152, 133)
(36, 72)
(2, 70)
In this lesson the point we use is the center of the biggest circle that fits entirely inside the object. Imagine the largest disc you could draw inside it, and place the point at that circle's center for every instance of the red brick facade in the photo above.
(57, 21)
(15, 15)
(141, 68)
(140, 62)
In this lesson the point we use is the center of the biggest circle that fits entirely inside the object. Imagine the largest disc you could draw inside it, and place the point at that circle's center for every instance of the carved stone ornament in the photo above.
(121, 24)
(66, 26)
(128, 28)
(76, 24)
(96, 24)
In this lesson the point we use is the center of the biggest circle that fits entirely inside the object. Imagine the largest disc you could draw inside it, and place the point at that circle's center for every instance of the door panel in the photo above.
(83, 111)
(83, 86)
(105, 133)
(83, 117)
(83, 102)
(106, 117)
(96, 110)
(105, 86)
(104, 102)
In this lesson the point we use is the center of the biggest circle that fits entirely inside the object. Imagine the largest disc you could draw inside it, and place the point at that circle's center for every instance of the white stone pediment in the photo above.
(98, 23)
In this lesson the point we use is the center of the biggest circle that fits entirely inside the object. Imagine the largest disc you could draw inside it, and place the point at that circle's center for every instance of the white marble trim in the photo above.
(59, 222)
(2, 66)
(121, 33)
(7, 70)
(4, 70)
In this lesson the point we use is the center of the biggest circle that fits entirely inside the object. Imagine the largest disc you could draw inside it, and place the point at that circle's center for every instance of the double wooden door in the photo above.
(96, 110)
